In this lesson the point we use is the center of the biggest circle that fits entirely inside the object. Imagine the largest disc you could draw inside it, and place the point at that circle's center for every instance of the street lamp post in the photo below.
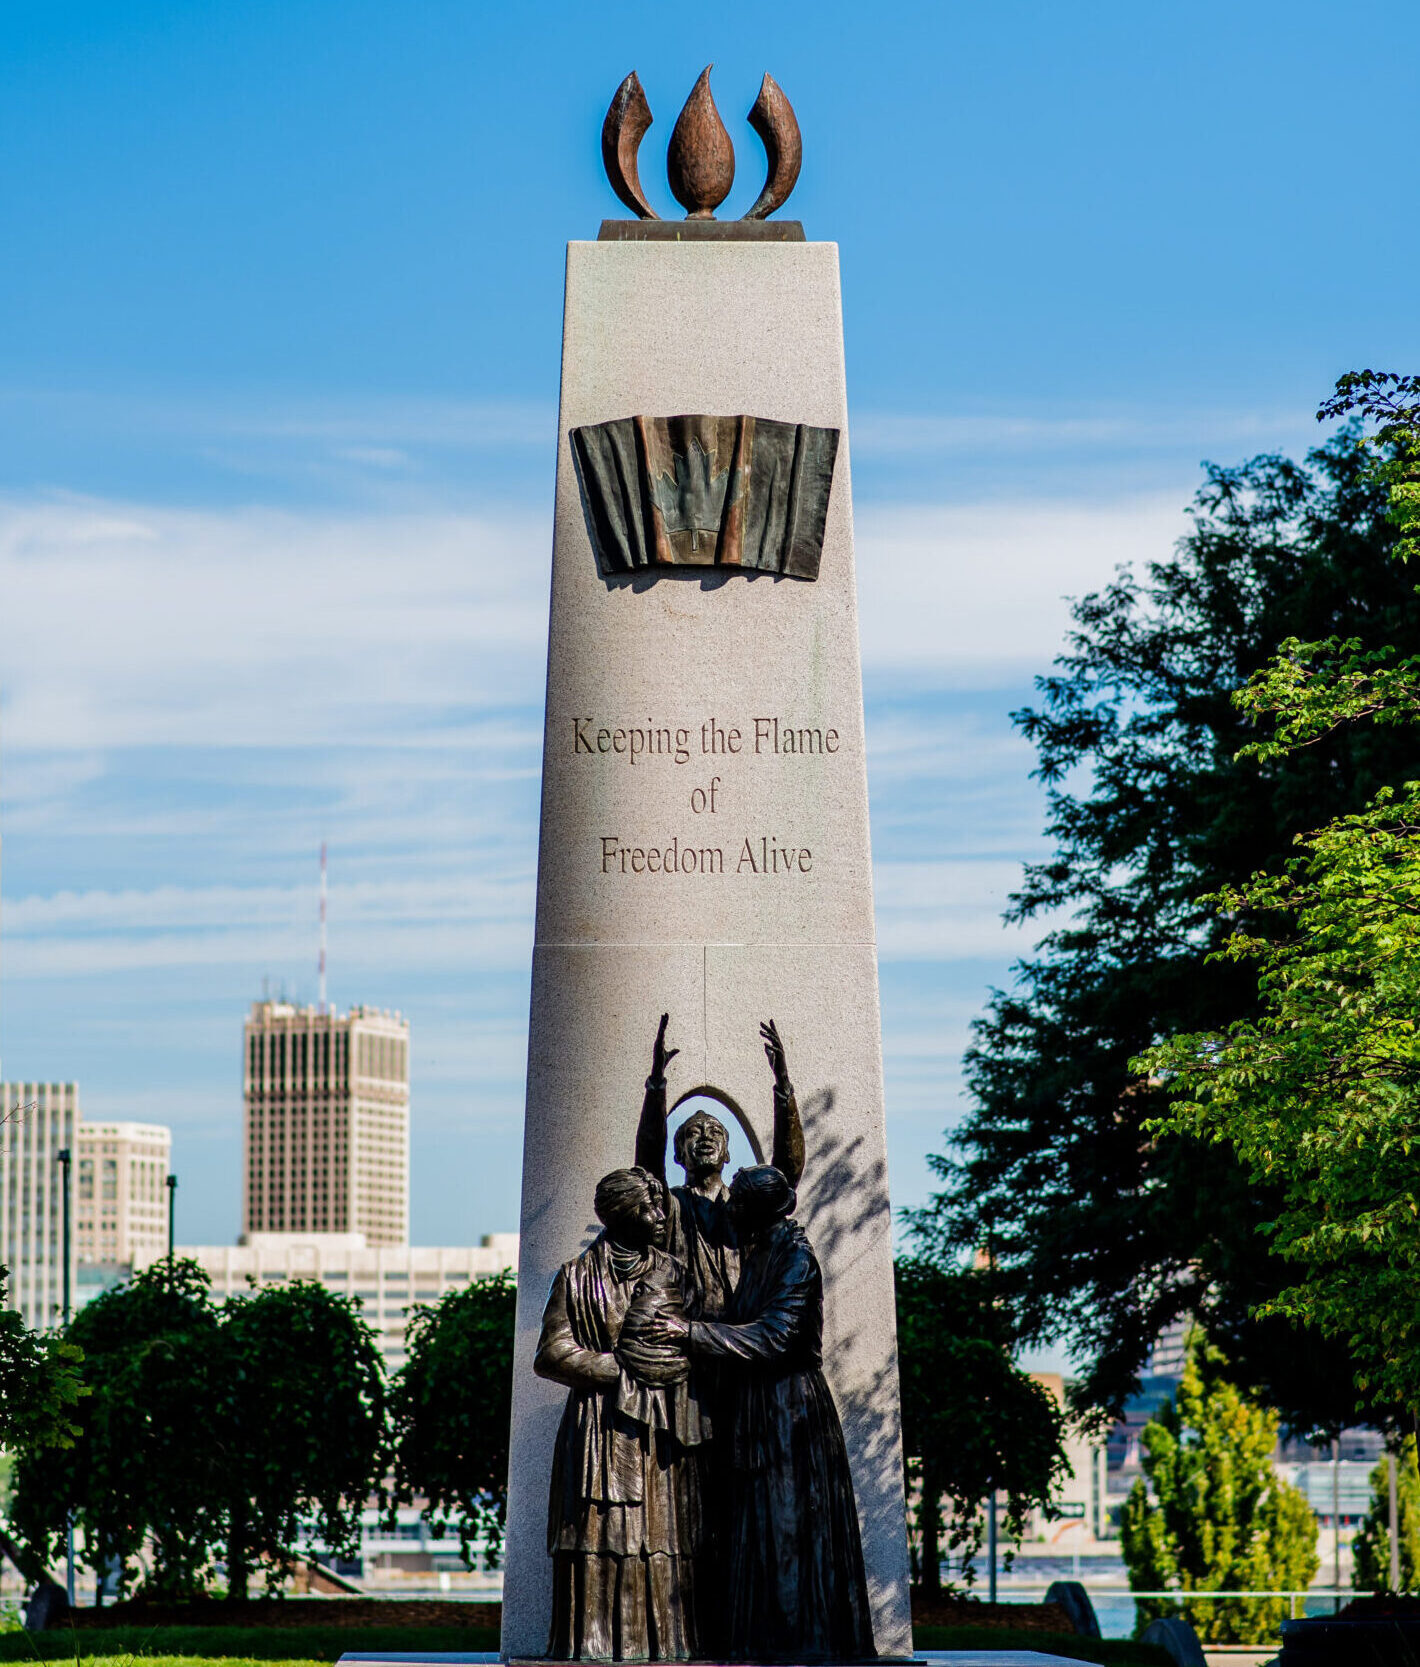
(66, 1164)
(991, 1548)
(172, 1216)
(1394, 1520)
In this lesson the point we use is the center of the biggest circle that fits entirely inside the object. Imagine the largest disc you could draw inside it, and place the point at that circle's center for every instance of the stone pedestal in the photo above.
(704, 852)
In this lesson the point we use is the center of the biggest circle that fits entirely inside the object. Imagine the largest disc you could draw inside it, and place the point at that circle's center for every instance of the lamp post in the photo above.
(991, 1547)
(1336, 1524)
(66, 1164)
(1394, 1520)
(172, 1215)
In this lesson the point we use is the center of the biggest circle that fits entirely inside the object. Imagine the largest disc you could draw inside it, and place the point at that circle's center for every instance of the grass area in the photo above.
(307, 1646)
(1113, 1652)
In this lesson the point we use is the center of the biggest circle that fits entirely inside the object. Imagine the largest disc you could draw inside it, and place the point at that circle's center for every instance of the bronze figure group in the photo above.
(701, 1503)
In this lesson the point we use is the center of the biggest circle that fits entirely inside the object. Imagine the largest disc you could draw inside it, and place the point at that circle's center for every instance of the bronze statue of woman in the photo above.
(791, 1577)
(625, 1516)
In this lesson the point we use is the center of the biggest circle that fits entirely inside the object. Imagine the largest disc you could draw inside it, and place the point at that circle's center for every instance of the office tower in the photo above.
(121, 1193)
(327, 1122)
(40, 1119)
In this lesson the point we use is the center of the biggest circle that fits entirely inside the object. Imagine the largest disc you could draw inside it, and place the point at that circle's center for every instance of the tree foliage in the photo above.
(972, 1421)
(302, 1421)
(1211, 1515)
(1316, 1089)
(451, 1406)
(1102, 1231)
(1370, 1570)
(208, 1429)
(40, 1384)
(144, 1463)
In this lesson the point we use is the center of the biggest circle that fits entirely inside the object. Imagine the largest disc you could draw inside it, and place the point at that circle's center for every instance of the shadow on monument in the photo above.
(844, 1190)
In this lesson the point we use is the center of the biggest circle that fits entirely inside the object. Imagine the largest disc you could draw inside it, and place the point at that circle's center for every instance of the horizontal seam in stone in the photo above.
(700, 943)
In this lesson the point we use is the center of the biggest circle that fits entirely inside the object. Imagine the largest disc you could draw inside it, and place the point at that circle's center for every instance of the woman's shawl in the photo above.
(611, 1417)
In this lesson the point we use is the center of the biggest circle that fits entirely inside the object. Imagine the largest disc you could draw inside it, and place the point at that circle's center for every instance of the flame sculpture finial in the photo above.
(773, 119)
(700, 160)
(622, 132)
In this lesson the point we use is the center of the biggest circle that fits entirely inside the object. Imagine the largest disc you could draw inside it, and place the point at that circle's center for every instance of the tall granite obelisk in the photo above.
(704, 844)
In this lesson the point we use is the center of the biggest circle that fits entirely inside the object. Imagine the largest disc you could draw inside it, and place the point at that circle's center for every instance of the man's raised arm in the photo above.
(788, 1156)
(651, 1130)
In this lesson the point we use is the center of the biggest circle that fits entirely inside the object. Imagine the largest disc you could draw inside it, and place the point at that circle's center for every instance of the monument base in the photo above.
(951, 1658)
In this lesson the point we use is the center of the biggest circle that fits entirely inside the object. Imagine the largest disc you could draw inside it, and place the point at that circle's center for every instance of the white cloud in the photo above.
(129, 626)
(895, 435)
(976, 594)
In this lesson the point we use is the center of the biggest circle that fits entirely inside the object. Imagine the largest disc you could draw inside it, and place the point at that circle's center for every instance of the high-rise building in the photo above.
(121, 1193)
(40, 1119)
(327, 1122)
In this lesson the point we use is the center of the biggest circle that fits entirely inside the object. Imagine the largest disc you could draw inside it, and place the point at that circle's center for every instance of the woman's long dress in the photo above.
(624, 1519)
(794, 1580)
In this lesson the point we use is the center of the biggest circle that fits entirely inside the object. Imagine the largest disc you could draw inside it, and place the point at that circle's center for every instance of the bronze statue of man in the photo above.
(701, 1233)
(625, 1516)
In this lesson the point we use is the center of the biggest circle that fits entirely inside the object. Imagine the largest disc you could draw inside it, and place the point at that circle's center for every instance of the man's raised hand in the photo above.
(774, 1052)
(661, 1056)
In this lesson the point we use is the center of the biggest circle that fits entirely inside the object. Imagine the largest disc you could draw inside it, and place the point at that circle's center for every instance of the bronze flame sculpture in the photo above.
(700, 161)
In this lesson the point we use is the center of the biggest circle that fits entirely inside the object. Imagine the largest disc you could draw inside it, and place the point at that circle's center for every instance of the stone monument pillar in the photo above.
(704, 843)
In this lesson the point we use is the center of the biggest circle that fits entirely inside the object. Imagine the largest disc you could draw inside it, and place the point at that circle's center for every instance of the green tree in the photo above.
(1103, 1232)
(1211, 1515)
(144, 1466)
(209, 1428)
(1370, 1572)
(972, 1421)
(451, 1405)
(40, 1384)
(301, 1427)
(1317, 1091)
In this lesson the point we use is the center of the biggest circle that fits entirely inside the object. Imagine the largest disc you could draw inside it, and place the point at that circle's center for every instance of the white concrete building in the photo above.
(326, 1099)
(390, 1281)
(121, 1193)
(40, 1119)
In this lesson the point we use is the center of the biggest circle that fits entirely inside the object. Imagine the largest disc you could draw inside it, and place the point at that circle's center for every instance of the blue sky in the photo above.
(280, 312)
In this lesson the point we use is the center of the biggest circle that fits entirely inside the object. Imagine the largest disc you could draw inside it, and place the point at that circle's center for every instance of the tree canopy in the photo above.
(209, 1430)
(1103, 1232)
(1210, 1514)
(451, 1408)
(1370, 1572)
(972, 1421)
(302, 1429)
(1315, 1086)
(40, 1384)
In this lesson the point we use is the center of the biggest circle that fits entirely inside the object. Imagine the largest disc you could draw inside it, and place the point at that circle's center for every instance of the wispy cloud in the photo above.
(896, 434)
(979, 594)
(194, 698)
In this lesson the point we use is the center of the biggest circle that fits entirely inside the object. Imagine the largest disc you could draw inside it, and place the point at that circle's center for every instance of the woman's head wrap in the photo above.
(769, 1190)
(621, 1192)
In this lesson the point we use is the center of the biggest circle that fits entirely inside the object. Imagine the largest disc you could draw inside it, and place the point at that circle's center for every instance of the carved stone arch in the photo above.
(707, 1091)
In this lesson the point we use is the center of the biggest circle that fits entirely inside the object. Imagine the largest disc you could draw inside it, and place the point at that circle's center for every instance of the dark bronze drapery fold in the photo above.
(698, 491)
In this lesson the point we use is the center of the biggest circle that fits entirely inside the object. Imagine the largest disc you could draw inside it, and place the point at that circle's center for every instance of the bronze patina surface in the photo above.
(773, 119)
(700, 162)
(701, 1503)
(622, 132)
(701, 231)
(696, 491)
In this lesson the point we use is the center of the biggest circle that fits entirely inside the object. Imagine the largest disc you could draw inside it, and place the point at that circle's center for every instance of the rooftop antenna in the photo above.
(324, 1006)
